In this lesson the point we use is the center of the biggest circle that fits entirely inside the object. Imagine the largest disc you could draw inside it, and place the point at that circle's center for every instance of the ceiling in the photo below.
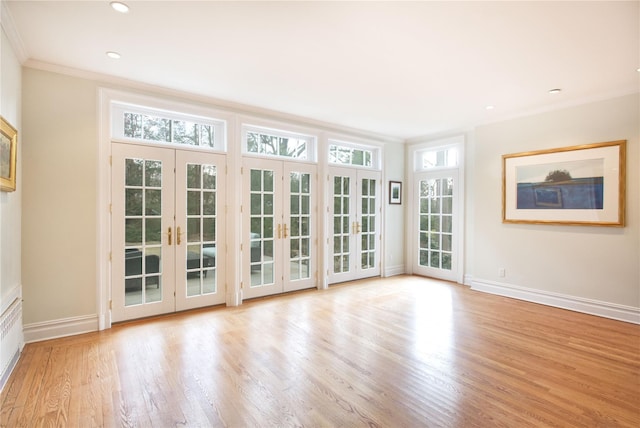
(399, 69)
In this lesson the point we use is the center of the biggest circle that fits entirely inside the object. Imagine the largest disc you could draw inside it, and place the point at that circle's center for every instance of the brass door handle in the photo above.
(358, 227)
(286, 232)
(178, 236)
(279, 231)
(169, 235)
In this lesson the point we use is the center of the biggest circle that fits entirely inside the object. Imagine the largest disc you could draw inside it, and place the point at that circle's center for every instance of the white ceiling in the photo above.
(399, 69)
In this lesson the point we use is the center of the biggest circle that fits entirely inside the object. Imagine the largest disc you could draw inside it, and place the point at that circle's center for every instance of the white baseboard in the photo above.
(468, 279)
(393, 270)
(36, 332)
(579, 304)
(11, 336)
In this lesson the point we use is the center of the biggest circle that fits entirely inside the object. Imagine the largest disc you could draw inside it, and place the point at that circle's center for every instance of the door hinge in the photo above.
(240, 247)
(241, 285)
(110, 305)
(109, 255)
(110, 208)
(110, 160)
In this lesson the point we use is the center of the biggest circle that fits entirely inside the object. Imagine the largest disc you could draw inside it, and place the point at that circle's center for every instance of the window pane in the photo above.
(156, 129)
(153, 174)
(133, 174)
(185, 132)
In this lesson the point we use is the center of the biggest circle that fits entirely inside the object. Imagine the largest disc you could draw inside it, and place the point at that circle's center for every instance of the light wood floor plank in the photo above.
(397, 352)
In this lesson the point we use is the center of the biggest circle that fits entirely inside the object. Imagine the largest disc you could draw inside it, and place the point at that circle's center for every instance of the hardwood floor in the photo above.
(397, 352)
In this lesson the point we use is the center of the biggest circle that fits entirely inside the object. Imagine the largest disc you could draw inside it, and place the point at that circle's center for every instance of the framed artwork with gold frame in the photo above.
(577, 185)
(8, 154)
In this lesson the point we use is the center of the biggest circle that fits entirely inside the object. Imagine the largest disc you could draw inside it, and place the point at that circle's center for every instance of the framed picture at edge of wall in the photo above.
(395, 192)
(8, 153)
(577, 185)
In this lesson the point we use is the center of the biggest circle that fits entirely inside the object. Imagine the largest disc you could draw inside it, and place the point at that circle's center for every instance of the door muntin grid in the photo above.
(262, 219)
(200, 252)
(436, 223)
(299, 225)
(341, 224)
(367, 224)
(143, 231)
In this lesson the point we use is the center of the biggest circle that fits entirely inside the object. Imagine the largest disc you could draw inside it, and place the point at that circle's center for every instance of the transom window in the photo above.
(351, 154)
(158, 126)
(442, 157)
(277, 143)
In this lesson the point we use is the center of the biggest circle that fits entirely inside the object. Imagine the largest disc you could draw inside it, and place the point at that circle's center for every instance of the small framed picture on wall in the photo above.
(395, 192)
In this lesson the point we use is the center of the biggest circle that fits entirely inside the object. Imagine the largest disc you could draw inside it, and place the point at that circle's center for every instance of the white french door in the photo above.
(354, 213)
(279, 248)
(436, 225)
(167, 234)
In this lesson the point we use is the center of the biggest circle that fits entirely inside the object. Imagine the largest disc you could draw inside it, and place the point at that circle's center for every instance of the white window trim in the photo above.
(413, 152)
(376, 158)
(280, 131)
(118, 109)
(120, 102)
(418, 149)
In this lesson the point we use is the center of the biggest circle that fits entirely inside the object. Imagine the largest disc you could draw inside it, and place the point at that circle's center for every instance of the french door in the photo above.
(279, 232)
(436, 225)
(167, 242)
(354, 213)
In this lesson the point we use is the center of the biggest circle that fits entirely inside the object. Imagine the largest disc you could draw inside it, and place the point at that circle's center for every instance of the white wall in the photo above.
(394, 227)
(585, 266)
(10, 215)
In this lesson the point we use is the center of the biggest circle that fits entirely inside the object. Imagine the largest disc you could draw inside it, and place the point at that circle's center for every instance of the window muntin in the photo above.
(275, 143)
(159, 126)
(344, 155)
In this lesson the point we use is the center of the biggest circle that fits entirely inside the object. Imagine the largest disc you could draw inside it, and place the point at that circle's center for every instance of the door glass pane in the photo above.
(435, 223)
(341, 220)
(201, 233)
(262, 234)
(133, 172)
(143, 231)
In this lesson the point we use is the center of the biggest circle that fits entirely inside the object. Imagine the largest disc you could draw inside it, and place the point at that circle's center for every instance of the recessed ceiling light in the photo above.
(555, 91)
(119, 6)
(113, 55)
(489, 107)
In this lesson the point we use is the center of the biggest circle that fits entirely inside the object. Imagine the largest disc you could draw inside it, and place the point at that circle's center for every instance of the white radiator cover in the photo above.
(11, 339)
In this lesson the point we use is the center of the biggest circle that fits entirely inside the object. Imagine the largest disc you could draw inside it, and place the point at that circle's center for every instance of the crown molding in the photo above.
(6, 22)
(230, 106)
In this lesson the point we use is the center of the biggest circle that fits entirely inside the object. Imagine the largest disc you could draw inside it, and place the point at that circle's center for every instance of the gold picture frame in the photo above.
(8, 155)
(577, 185)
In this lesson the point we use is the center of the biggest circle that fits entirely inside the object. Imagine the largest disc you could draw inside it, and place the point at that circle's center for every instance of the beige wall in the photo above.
(59, 215)
(598, 263)
(60, 181)
(59, 203)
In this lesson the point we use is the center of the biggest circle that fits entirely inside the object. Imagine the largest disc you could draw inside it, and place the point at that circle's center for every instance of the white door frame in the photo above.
(414, 168)
(281, 228)
(355, 246)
